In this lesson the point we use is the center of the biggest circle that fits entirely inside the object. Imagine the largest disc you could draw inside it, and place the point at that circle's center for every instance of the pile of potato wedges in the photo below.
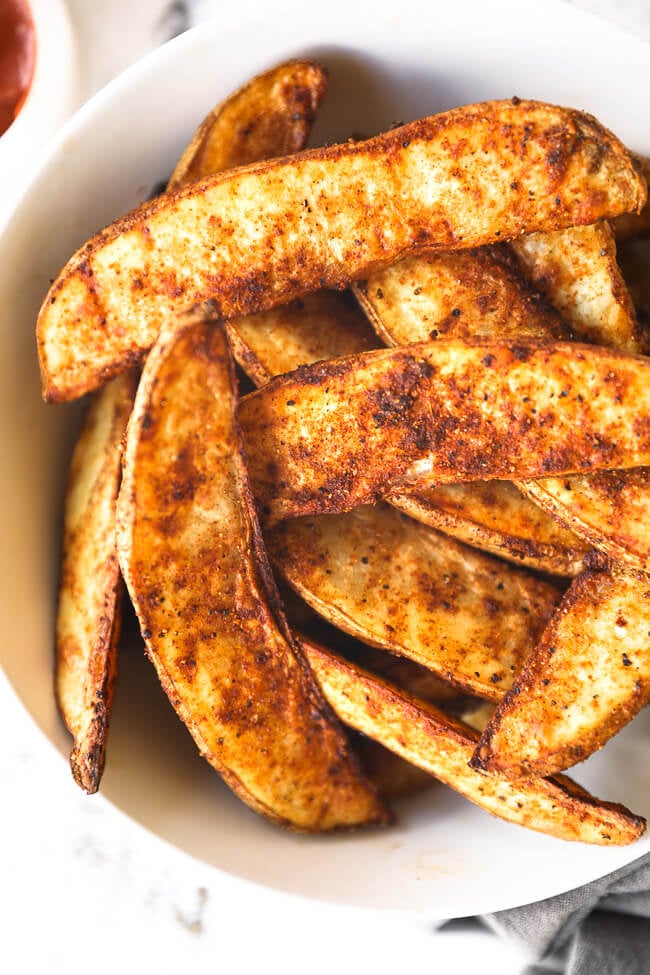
(418, 545)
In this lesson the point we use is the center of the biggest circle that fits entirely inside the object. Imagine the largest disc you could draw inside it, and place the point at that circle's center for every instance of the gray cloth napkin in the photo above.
(602, 928)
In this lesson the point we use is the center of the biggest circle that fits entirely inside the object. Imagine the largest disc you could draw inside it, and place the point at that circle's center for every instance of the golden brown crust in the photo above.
(587, 678)
(400, 586)
(193, 561)
(271, 115)
(334, 435)
(88, 619)
(268, 233)
(443, 747)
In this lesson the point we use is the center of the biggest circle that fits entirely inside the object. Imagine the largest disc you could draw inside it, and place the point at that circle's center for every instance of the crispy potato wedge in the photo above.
(610, 509)
(632, 226)
(196, 570)
(576, 270)
(271, 115)
(90, 589)
(456, 294)
(334, 435)
(496, 517)
(443, 747)
(260, 236)
(587, 678)
(400, 586)
(322, 325)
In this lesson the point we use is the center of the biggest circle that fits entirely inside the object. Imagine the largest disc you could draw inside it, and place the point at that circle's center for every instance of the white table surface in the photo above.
(82, 888)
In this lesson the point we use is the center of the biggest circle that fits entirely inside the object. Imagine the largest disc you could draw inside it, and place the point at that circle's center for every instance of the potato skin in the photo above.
(266, 234)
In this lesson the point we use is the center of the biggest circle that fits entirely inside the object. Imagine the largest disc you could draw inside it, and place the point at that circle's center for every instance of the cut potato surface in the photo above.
(398, 585)
(589, 676)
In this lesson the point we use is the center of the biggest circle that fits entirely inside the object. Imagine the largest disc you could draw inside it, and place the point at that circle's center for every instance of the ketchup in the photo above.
(17, 56)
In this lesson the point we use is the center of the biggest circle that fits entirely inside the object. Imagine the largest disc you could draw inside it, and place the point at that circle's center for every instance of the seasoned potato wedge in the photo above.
(589, 676)
(401, 586)
(271, 115)
(496, 517)
(337, 434)
(456, 294)
(576, 270)
(322, 325)
(610, 509)
(88, 614)
(443, 747)
(196, 570)
(263, 235)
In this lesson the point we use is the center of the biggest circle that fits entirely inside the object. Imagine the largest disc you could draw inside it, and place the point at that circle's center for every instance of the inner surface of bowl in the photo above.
(387, 63)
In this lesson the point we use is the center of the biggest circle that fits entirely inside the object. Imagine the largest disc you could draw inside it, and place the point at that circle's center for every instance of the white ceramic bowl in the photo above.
(388, 61)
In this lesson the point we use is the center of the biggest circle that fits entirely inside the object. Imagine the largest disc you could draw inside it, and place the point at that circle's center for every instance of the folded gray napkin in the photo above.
(602, 928)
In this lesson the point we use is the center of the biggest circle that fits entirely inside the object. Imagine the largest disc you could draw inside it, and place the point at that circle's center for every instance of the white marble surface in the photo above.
(83, 888)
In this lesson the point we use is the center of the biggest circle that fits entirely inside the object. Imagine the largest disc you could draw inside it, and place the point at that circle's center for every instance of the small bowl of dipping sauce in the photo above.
(39, 87)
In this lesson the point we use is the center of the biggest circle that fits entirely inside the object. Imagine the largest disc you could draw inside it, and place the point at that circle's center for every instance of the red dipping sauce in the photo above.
(17, 57)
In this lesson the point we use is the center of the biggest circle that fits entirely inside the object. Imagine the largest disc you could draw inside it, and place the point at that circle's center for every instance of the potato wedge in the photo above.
(632, 226)
(263, 235)
(443, 747)
(334, 435)
(496, 517)
(90, 588)
(587, 678)
(196, 570)
(400, 586)
(576, 271)
(322, 325)
(271, 115)
(610, 509)
(456, 294)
